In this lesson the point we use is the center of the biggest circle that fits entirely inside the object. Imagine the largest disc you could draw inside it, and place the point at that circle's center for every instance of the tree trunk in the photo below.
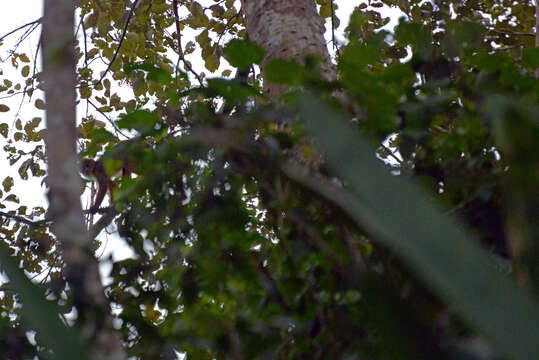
(81, 269)
(287, 29)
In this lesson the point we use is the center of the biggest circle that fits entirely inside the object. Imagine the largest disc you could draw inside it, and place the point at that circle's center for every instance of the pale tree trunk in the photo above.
(287, 29)
(81, 269)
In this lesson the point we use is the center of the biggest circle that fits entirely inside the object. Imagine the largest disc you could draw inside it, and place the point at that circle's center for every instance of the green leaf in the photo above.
(112, 165)
(101, 135)
(155, 73)
(140, 120)
(531, 58)
(394, 212)
(284, 72)
(160, 8)
(243, 53)
(231, 90)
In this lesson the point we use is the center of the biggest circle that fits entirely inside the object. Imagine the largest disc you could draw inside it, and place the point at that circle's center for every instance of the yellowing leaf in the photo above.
(130, 106)
(4, 108)
(139, 88)
(25, 71)
(212, 62)
(160, 8)
(99, 123)
(24, 58)
(91, 20)
(325, 11)
(8, 183)
(4, 128)
(12, 198)
(18, 136)
(40, 104)
(85, 91)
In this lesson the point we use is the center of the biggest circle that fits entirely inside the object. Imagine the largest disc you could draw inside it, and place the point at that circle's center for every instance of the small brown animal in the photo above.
(96, 170)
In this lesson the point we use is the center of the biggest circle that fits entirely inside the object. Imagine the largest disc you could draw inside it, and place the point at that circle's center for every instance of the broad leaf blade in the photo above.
(442, 253)
(40, 315)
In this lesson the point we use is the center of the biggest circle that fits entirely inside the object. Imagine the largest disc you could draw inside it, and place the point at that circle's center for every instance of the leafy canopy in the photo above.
(251, 241)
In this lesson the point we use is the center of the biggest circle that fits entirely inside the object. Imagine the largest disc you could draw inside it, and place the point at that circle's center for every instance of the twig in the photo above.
(355, 253)
(21, 27)
(228, 23)
(333, 29)
(116, 128)
(23, 37)
(12, 95)
(85, 43)
(108, 215)
(462, 203)
(508, 32)
(391, 153)
(180, 49)
(131, 12)
(269, 284)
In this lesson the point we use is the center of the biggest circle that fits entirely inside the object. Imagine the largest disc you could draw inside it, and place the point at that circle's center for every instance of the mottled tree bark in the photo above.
(287, 29)
(81, 269)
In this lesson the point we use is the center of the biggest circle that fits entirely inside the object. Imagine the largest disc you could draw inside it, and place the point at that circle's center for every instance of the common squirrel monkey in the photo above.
(95, 169)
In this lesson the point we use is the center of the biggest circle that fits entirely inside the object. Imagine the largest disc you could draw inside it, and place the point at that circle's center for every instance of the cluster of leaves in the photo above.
(241, 253)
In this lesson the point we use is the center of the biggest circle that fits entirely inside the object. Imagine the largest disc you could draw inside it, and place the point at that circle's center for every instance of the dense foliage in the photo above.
(245, 242)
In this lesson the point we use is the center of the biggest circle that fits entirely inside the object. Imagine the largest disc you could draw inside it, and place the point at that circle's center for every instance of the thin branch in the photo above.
(85, 43)
(12, 95)
(333, 29)
(228, 23)
(131, 12)
(355, 253)
(116, 128)
(391, 153)
(508, 47)
(32, 224)
(21, 27)
(105, 220)
(509, 32)
(269, 284)
(180, 49)
(23, 37)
